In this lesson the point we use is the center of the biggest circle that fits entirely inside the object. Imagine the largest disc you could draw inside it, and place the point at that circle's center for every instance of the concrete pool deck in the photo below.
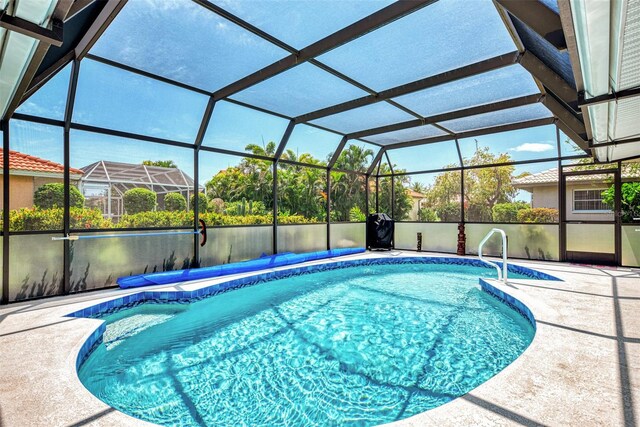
(582, 368)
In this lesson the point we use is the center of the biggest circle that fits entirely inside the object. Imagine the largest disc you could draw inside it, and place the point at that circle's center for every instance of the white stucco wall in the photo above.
(546, 196)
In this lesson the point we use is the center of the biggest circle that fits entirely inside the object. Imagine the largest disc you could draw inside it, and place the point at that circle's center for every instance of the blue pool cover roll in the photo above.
(262, 263)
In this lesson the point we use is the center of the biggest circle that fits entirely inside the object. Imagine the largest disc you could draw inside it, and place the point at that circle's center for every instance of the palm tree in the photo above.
(419, 187)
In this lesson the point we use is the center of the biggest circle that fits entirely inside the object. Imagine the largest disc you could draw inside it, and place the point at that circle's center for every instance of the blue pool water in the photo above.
(358, 346)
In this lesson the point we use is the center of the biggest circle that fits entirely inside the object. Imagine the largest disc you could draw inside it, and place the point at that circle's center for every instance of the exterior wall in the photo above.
(21, 191)
(547, 197)
(22, 187)
(415, 207)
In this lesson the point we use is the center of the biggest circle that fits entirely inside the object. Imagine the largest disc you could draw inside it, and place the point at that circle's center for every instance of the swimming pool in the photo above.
(362, 345)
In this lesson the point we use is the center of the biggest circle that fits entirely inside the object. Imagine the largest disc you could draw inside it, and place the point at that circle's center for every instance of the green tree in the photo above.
(486, 187)
(629, 198)
(301, 191)
(161, 163)
(348, 189)
(402, 202)
(419, 187)
(443, 196)
(251, 179)
(175, 202)
(139, 200)
(354, 158)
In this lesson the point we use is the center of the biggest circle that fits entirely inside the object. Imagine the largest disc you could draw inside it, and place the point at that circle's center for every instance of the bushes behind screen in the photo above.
(51, 195)
(139, 200)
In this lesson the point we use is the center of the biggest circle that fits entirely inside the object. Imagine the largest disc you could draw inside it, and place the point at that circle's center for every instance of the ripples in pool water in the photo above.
(352, 347)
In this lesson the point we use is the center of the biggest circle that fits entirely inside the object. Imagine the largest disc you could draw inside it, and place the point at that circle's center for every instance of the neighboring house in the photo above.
(416, 203)
(583, 193)
(104, 183)
(27, 173)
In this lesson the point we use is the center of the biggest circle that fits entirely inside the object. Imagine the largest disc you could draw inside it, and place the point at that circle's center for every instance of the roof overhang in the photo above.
(55, 175)
(608, 47)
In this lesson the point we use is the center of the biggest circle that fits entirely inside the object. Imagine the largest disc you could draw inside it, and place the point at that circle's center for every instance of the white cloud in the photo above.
(533, 147)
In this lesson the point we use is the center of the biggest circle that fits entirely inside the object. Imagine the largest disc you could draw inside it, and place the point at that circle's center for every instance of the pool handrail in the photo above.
(502, 274)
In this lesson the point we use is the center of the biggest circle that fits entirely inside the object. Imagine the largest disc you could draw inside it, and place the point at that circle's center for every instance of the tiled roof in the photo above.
(25, 162)
(550, 176)
(415, 194)
(544, 177)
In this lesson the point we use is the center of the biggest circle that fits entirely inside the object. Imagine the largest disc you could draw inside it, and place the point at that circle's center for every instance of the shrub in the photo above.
(175, 202)
(157, 219)
(51, 219)
(27, 219)
(295, 219)
(202, 202)
(449, 212)
(538, 215)
(427, 215)
(356, 215)
(508, 212)
(51, 195)
(139, 200)
(88, 218)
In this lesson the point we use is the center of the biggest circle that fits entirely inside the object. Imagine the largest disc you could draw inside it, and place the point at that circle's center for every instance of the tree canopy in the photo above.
(483, 187)
(301, 189)
(161, 163)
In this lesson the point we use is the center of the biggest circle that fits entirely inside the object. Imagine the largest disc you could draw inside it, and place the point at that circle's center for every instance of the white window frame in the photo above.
(598, 211)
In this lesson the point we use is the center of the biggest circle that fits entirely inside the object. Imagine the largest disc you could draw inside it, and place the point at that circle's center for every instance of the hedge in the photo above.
(538, 215)
(184, 218)
(156, 219)
(35, 219)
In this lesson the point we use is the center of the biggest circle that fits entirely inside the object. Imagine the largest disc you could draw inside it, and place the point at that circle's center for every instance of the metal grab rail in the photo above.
(502, 274)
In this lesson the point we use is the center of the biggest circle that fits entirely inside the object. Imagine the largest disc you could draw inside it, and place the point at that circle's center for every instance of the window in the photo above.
(589, 200)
